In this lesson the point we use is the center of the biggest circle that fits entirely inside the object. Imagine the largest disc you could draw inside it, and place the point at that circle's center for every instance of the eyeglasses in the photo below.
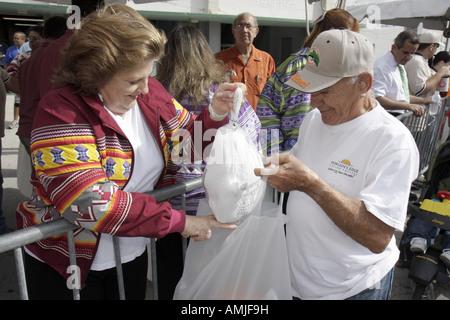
(242, 26)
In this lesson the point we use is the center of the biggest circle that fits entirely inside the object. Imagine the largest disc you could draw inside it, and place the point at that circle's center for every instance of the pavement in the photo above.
(402, 286)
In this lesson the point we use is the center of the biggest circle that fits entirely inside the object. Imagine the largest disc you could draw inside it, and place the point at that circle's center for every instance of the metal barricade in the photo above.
(17, 239)
(425, 131)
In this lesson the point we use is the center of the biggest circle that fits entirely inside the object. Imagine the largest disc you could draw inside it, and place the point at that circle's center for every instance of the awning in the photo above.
(434, 14)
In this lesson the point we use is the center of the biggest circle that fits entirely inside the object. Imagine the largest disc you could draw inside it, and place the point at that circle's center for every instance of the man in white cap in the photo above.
(422, 80)
(349, 177)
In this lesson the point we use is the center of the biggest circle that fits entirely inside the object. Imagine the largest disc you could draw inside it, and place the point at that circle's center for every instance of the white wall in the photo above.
(382, 37)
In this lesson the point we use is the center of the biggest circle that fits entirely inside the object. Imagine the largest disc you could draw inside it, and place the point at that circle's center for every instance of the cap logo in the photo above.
(312, 56)
(298, 80)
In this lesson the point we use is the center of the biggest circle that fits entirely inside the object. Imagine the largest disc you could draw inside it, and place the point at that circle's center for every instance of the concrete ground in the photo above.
(402, 287)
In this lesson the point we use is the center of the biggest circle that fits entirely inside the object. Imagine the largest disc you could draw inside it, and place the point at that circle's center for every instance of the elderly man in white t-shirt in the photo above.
(349, 177)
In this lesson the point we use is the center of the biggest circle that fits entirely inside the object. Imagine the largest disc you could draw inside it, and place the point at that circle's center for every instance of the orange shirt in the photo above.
(254, 75)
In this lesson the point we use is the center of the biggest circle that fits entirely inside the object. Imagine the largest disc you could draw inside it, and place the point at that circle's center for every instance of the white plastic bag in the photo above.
(251, 261)
(232, 188)
(248, 263)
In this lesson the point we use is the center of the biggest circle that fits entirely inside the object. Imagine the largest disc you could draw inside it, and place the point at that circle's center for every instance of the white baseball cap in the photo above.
(335, 54)
(429, 37)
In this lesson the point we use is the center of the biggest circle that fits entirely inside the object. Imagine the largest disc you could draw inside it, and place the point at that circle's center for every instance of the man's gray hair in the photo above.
(407, 35)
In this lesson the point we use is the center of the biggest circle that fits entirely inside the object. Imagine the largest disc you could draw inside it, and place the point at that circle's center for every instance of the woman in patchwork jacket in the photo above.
(101, 140)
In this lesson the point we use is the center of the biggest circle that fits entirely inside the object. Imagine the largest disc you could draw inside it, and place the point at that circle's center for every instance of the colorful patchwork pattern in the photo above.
(83, 153)
(57, 155)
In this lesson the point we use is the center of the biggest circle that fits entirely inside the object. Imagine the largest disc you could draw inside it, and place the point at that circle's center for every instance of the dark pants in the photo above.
(45, 283)
(170, 264)
(3, 225)
(419, 228)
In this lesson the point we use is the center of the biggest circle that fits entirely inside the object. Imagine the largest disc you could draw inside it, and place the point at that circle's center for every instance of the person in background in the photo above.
(190, 72)
(19, 39)
(436, 63)
(28, 78)
(390, 80)
(439, 60)
(35, 35)
(422, 80)
(3, 48)
(101, 140)
(282, 108)
(420, 234)
(350, 158)
(4, 77)
(245, 62)
(26, 46)
(51, 58)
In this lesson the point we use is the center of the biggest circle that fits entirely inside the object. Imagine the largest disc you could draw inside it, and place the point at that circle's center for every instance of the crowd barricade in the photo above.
(16, 240)
(426, 131)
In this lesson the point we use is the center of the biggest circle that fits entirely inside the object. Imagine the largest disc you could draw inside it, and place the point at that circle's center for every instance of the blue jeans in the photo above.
(380, 291)
(418, 228)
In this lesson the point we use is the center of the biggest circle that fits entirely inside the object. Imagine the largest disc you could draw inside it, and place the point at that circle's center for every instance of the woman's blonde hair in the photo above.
(188, 66)
(332, 19)
(109, 40)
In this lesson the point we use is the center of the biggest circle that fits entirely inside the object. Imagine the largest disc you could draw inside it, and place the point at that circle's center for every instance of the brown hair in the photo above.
(332, 19)
(109, 40)
(188, 66)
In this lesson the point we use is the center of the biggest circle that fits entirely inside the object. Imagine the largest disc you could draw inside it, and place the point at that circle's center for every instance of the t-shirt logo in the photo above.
(343, 167)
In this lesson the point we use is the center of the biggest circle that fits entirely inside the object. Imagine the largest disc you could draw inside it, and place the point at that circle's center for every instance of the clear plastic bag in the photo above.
(248, 263)
(232, 188)
(251, 261)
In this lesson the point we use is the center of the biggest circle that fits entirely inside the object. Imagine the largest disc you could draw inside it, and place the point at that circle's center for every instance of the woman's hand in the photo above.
(199, 227)
(223, 100)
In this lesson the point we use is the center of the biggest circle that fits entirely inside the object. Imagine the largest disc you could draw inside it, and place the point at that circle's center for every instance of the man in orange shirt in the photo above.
(246, 63)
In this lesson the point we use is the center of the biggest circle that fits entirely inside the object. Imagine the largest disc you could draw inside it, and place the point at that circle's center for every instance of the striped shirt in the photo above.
(282, 108)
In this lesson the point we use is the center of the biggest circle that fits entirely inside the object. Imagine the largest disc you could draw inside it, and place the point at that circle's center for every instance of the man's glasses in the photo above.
(248, 26)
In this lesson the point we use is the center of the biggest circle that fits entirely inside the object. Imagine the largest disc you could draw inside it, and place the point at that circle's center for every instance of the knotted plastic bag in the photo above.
(232, 188)
(250, 262)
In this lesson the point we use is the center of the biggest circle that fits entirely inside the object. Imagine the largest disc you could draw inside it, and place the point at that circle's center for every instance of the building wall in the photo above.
(282, 22)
